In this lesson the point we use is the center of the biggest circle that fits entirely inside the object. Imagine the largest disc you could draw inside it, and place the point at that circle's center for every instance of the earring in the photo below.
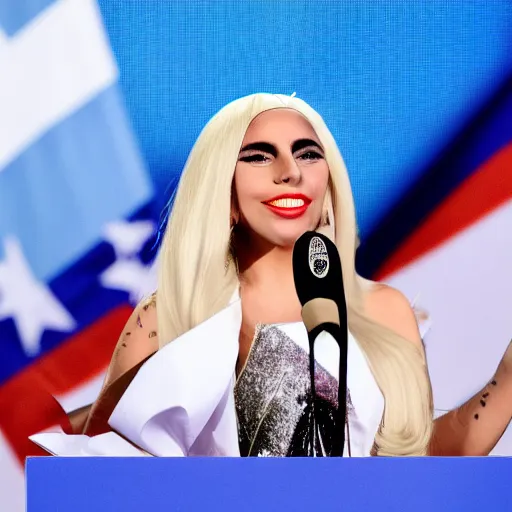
(230, 257)
(326, 224)
(325, 220)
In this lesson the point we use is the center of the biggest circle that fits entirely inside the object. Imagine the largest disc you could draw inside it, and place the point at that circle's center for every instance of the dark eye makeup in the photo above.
(310, 155)
(259, 157)
(253, 158)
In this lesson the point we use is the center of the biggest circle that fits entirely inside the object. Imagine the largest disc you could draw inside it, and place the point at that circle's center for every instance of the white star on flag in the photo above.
(128, 273)
(28, 301)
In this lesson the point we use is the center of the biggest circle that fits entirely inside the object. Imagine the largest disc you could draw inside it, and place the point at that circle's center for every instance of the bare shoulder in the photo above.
(138, 339)
(390, 308)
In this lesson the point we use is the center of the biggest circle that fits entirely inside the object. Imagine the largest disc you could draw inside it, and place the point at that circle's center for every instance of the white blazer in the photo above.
(181, 402)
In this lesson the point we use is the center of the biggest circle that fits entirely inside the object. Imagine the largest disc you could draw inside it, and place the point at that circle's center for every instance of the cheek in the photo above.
(247, 188)
(318, 181)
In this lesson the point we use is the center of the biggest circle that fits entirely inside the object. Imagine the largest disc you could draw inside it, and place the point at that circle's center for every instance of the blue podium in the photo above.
(209, 484)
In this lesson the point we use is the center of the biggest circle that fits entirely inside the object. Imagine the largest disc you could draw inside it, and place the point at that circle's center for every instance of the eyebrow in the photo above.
(304, 143)
(261, 146)
(266, 147)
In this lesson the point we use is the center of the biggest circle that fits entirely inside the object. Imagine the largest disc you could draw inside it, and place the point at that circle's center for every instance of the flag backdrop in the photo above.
(101, 102)
(74, 203)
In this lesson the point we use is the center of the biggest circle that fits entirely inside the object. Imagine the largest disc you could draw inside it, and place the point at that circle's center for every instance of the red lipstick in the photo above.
(288, 206)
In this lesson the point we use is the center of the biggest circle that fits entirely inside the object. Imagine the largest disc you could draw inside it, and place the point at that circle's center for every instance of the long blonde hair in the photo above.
(194, 283)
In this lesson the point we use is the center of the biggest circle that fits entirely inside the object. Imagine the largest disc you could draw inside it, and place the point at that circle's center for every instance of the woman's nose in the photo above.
(287, 172)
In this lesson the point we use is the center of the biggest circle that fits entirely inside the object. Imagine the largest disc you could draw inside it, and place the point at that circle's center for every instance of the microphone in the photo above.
(318, 281)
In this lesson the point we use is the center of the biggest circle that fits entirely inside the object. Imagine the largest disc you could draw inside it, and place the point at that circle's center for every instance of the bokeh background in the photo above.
(100, 103)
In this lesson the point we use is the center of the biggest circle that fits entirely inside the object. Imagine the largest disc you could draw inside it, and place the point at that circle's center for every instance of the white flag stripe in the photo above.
(52, 67)
(12, 480)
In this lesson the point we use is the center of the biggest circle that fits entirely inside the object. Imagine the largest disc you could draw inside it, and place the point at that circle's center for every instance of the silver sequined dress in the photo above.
(272, 397)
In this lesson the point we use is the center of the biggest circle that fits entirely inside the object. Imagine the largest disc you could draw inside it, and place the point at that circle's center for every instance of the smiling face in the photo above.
(281, 178)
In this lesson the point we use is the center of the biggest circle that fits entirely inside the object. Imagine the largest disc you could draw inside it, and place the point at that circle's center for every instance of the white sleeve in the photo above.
(104, 445)
(180, 403)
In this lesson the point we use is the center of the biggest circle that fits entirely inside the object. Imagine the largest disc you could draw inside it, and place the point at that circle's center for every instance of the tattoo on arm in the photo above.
(123, 344)
(485, 395)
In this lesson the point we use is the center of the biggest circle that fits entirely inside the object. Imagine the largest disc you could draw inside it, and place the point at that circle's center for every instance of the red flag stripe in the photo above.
(26, 402)
(484, 191)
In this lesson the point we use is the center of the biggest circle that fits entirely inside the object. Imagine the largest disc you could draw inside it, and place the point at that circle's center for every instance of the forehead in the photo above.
(278, 124)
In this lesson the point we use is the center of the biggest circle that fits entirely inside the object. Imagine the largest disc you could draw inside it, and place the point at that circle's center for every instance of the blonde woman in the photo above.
(214, 362)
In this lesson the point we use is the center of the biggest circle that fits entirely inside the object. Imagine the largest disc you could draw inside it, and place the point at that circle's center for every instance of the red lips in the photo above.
(288, 205)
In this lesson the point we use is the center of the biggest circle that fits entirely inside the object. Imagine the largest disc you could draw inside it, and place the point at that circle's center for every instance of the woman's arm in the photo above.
(137, 343)
(78, 418)
(474, 428)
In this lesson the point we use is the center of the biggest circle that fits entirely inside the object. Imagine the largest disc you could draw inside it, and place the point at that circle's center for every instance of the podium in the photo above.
(90, 484)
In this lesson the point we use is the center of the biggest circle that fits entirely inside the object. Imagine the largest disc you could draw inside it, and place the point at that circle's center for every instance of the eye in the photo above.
(256, 157)
(310, 155)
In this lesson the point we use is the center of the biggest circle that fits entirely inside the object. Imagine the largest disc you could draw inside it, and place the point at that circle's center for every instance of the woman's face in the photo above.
(281, 178)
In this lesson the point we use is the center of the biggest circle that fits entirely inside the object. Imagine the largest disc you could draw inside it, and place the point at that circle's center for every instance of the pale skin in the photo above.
(293, 162)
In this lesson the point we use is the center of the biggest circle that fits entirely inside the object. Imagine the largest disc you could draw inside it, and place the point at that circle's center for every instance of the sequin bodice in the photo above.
(272, 396)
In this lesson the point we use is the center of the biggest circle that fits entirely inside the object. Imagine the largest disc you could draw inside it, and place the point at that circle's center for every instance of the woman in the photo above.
(265, 170)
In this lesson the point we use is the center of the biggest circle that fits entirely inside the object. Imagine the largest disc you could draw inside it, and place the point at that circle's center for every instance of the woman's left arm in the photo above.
(475, 427)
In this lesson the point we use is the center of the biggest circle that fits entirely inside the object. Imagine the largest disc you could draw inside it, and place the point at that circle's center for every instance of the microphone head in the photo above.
(317, 269)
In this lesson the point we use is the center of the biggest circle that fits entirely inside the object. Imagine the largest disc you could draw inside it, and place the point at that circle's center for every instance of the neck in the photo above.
(273, 269)
(266, 266)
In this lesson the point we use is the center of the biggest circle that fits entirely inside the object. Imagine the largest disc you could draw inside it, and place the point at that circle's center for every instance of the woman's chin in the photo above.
(282, 234)
(287, 238)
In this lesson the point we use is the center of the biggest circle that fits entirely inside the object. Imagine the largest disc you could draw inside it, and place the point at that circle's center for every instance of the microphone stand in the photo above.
(319, 284)
(340, 336)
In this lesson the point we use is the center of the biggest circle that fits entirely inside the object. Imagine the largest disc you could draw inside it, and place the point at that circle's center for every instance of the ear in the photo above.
(327, 226)
(235, 217)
